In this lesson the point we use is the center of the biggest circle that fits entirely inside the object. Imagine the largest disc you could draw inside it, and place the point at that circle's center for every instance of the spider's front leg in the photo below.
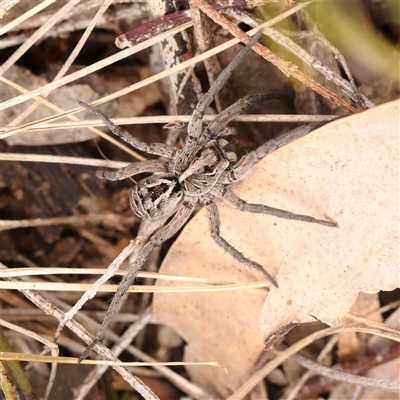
(195, 126)
(214, 220)
(160, 149)
(181, 216)
(217, 126)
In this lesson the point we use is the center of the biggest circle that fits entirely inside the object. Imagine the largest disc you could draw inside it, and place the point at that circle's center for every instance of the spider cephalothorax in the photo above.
(195, 171)
(199, 172)
(199, 167)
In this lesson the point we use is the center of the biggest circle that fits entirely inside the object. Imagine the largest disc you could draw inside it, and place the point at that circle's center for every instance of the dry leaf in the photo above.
(64, 97)
(351, 167)
(347, 171)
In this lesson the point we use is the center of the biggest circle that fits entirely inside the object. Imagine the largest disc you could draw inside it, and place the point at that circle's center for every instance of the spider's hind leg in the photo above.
(182, 214)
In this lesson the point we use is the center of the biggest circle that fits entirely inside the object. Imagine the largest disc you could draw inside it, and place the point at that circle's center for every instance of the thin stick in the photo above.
(4, 29)
(392, 386)
(96, 373)
(347, 86)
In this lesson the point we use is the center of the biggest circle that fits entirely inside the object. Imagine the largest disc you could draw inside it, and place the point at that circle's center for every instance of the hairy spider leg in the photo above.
(234, 201)
(246, 164)
(160, 149)
(217, 125)
(181, 216)
(195, 126)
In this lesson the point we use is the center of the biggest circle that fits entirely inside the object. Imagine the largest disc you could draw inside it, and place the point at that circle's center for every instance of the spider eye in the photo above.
(156, 197)
(231, 156)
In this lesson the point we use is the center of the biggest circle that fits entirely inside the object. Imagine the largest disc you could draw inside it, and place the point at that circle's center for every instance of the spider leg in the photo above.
(234, 201)
(195, 125)
(224, 117)
(133, 169)
(159, 149)
(247, 163)
(181, 216)
(214, 220)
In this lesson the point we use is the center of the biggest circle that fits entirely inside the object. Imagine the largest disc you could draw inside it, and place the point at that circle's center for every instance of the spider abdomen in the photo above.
(156, 197)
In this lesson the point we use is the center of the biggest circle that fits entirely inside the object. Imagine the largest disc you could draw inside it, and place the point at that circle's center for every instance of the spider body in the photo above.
(192, 172)
(200, 167)
(199, 172)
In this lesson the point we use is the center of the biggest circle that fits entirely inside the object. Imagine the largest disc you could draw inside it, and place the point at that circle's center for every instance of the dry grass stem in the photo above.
(37, 35)
(52, 310)
(269, 367)
(108, 288)
(123, 54)
(77, 220)
(18, 21)
(165, 119)
(50, 345)
(86, 71)
(32, 271)
(45, 158)
(13, 131)
(68, 62)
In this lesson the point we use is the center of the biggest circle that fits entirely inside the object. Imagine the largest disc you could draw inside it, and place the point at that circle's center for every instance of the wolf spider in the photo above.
(199, 172)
